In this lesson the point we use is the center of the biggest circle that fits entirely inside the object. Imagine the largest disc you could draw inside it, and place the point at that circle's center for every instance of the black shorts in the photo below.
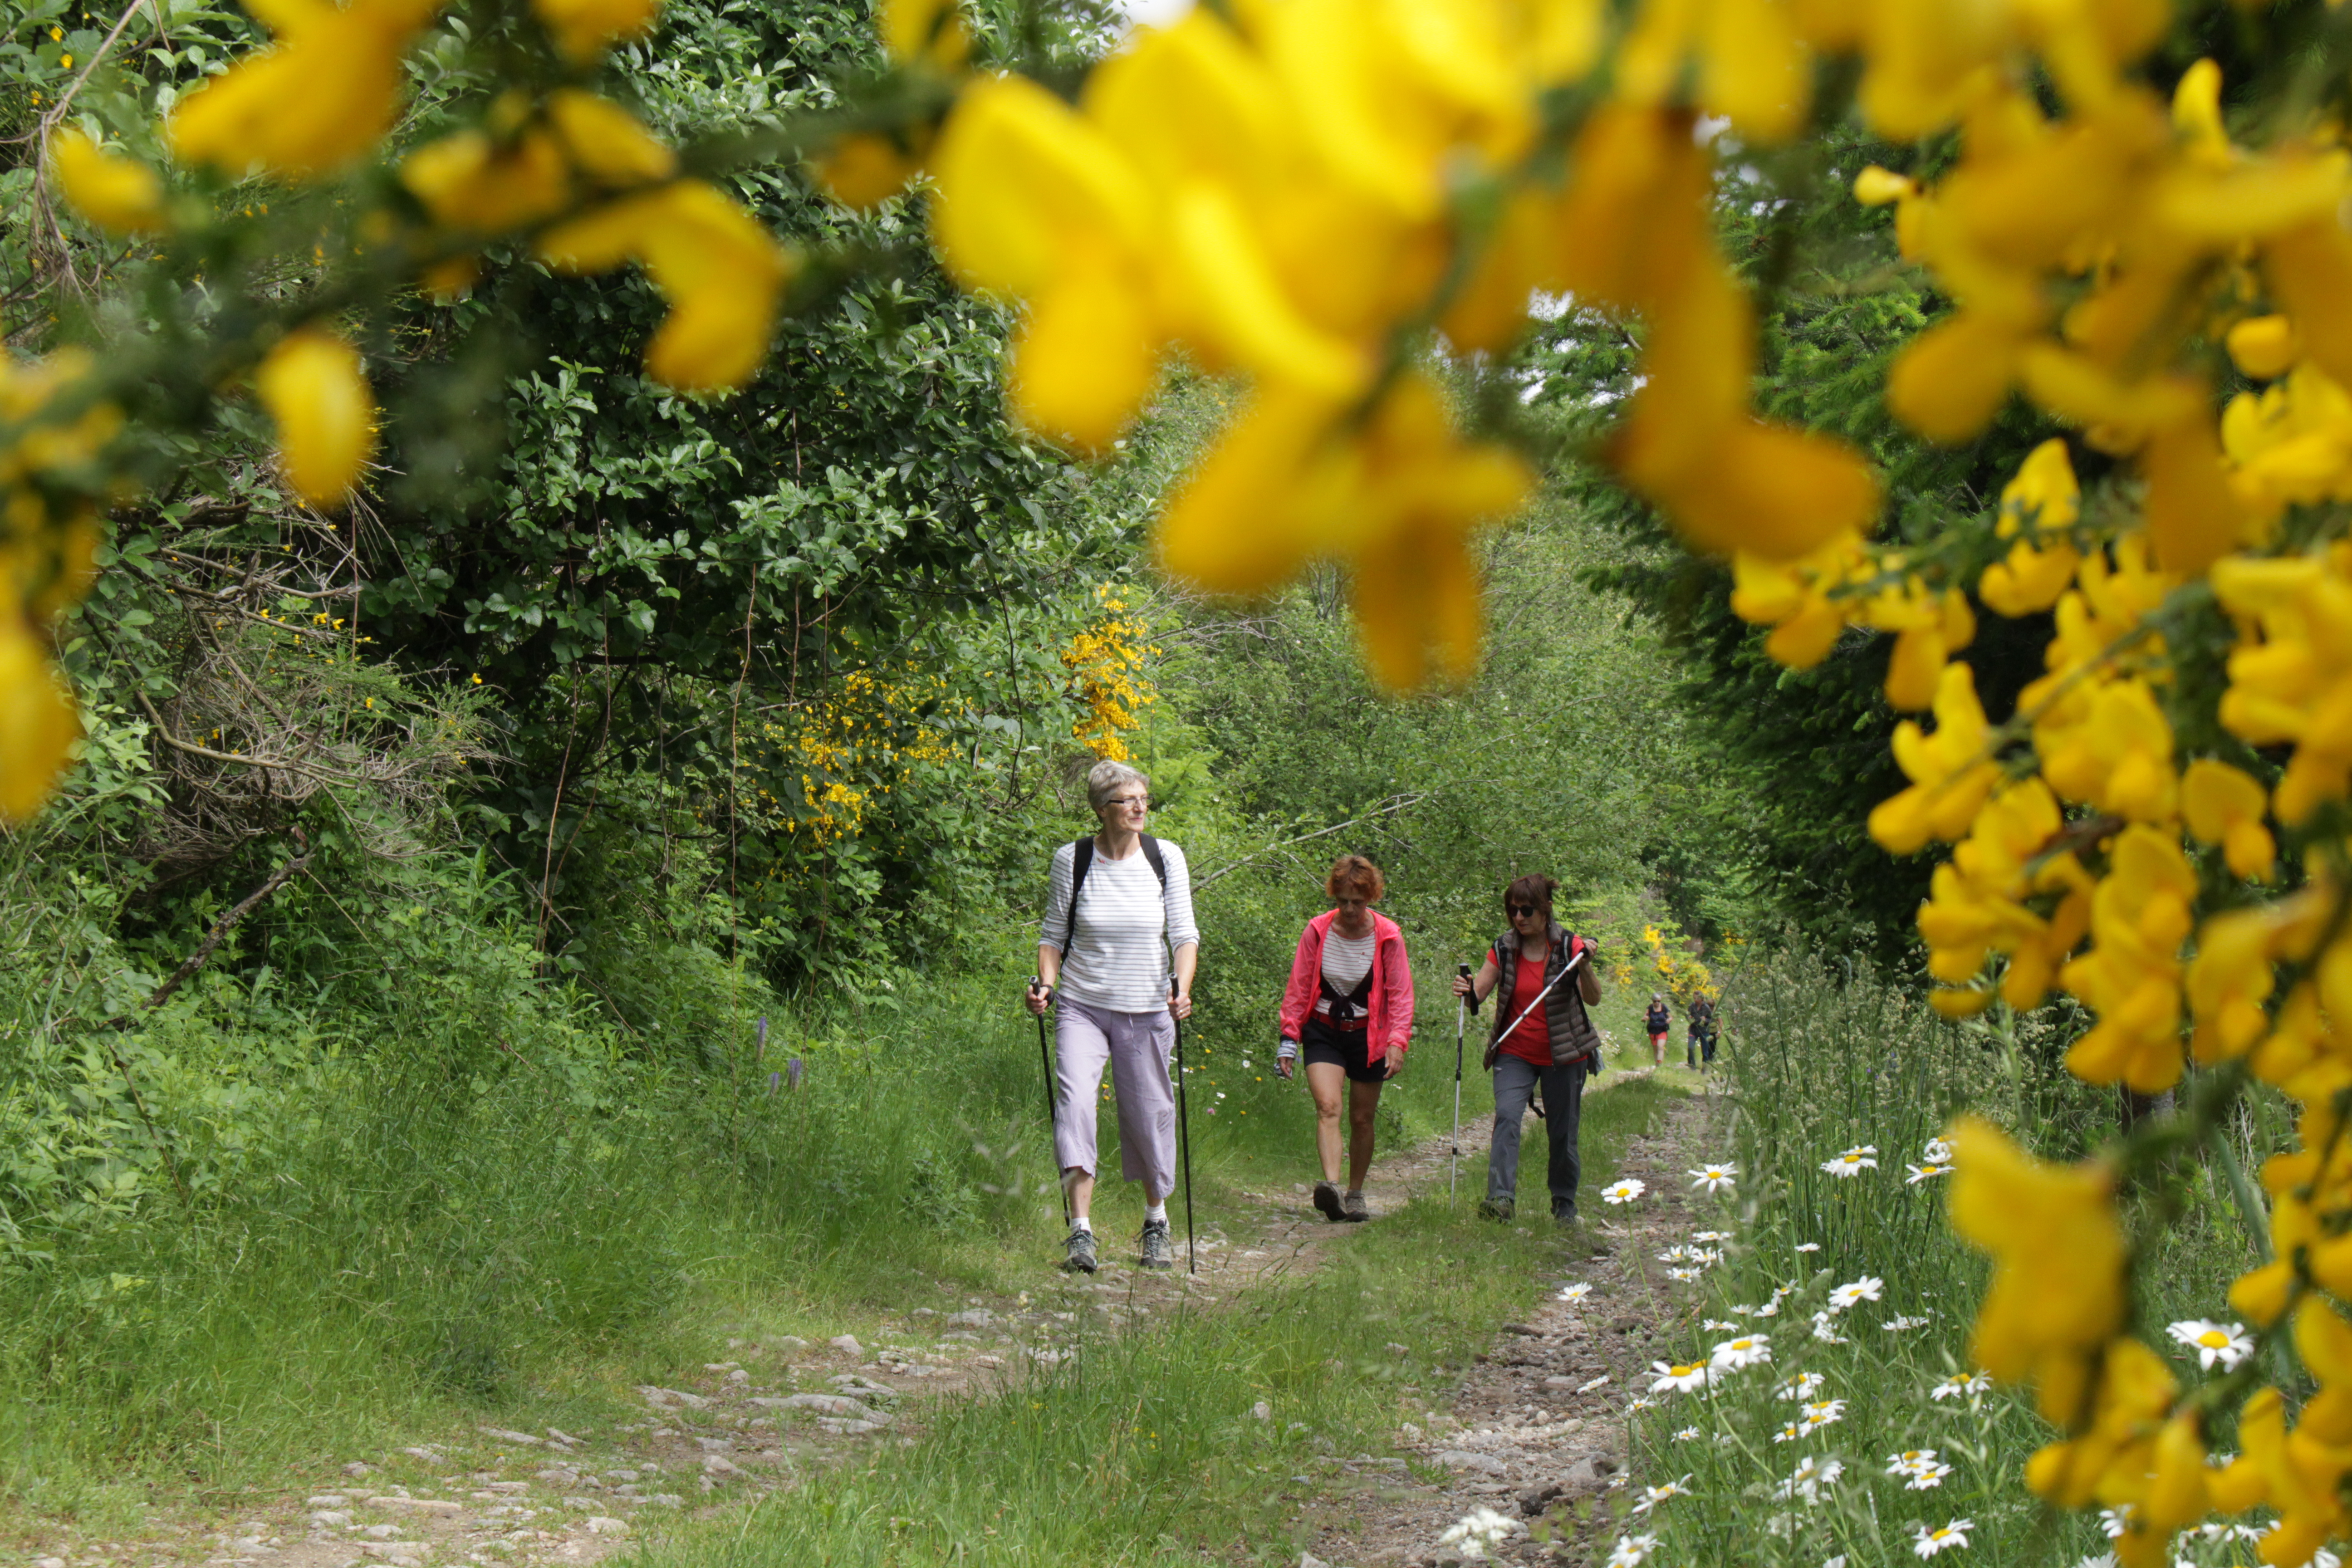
(1348, 1049)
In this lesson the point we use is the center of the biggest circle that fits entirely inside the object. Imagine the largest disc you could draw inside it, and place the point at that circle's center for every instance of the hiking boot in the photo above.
(1158, 1252)
(1327, 1198)
(1353, 1207)
(1496, 1208)
(1080, 1255)
(1563, 1215)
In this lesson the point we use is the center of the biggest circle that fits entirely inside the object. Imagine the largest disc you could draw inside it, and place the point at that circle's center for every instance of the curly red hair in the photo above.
(1356, 872)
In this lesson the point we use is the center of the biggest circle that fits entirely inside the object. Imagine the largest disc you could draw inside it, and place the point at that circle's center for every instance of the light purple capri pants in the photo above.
(1137, 1046)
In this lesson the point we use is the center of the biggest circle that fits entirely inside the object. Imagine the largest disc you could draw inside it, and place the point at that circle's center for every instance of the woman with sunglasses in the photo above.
(1350, 1004)
(1118, 908)
(1554, 1045)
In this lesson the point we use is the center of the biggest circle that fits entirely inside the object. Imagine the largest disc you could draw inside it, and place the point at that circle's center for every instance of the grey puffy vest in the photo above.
(1573, 1037)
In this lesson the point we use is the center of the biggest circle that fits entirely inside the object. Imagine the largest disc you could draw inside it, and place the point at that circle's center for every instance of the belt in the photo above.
(1346, 1025)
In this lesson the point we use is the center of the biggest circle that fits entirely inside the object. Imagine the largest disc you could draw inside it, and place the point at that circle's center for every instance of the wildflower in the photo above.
(312, 386)
(1788, 1433)
(1684, 1276)
(1920, 1470)
(1639, 1401)
(1748, 1350)
(1836, 1562)
(1943, 1538)
(1808, 1246)
(2216, 1345)
(1821, 1413)
(1575, 1292)
(1800, 1386)
(1866, 1289)
(1825, 1328)
(323, 94)
(1809, 1477)
(1687, 1435)
(1936, 1152)
(1652, 1496)
(1632, 1551)
(1675, 1254)
(1925, 1173)
(2117, 1521)
(1622, 1192)
(1968, 1385)
(1682, 1377)
(1715, 1178)
(1716, 1325)
(1770, 1309)
(120, 194)
(1481, 1530)
(1899, 1325)
(1854, 1161)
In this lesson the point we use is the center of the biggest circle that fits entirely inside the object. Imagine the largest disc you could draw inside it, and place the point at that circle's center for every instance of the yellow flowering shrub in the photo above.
(1106, 664)
(822, 769)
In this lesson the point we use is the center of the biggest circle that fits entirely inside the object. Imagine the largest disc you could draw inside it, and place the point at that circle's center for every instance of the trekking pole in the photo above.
(1184, 1132)
(1566, 970)
(1052, 1111)
(1461, 1020)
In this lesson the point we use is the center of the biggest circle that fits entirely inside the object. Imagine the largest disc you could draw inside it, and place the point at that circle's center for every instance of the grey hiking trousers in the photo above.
(1563, 1097)
(1135, 1046)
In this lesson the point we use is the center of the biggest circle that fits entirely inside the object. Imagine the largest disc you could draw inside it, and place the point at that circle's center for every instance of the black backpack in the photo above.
(1082, 857)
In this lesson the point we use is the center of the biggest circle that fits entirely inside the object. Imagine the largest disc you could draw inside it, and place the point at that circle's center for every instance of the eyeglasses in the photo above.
(1124, 801)
(1518, 910)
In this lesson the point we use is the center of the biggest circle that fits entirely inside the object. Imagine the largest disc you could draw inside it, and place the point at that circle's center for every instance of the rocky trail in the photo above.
(1532, 1429)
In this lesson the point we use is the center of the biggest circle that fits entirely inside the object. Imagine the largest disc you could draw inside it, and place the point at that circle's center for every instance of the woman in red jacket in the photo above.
(1349, 1006)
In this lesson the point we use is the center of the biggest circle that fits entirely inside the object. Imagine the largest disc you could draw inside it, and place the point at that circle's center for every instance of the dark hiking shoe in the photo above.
(1080, 1257)
(1563, 1215)
(1353, 1207)
(1496, 1208)
(1327, 1198)
(1158, 1252)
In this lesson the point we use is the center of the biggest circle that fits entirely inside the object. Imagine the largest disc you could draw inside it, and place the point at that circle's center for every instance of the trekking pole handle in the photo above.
(1471, 999)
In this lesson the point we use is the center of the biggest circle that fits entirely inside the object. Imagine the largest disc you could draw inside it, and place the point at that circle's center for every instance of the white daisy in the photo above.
(1639, 1401)
(1481, 1530)
(1687, 1435)
(2116, 1520)
(1715, 1178)
(2098, 1560)
(1936, 1152)
(1707, 1256)
(1575, 1292)
(1652, 1496)
(1959, 1386)
(1684, 1276)
(1926, 1172)
(1682, 1377)
(1820, 1413)
(1824, 1330)
(1836, 1562)
(1808, 1246)
(1854, 1161)
(1809, 1477)
(1677, 1254)
(1898, 1325)
(2216, 1345)
(1590, 1383)
(1770, 1309)
(1788, 1433)
(1943, 1538)
(1919, 1469)
(1867, 1288)
(1714, 1325)
(1632, 1551)
(1747, 1349)
(1711, 1235)
(1741, 1311)
(1622, 1192)
(1800, 1386)
(1926, 1477)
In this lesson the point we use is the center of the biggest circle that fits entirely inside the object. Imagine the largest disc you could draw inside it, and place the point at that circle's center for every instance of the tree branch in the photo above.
(1389, 808)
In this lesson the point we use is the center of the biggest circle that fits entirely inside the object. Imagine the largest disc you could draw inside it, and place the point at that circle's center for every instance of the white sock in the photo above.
(1083, 1222)
(1157, 1211)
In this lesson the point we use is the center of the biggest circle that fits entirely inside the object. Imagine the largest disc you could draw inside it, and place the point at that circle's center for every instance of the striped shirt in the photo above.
(1116, 959)
(1347, 960)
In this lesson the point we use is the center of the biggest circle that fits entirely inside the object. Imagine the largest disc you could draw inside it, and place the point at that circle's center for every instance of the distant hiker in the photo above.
(1349, 1005)
(1554, 1045)
(1118, 906)
(1660, 1022)
(1701, 1049)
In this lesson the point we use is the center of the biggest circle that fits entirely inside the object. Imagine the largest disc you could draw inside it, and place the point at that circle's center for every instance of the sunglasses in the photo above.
(1518, 910)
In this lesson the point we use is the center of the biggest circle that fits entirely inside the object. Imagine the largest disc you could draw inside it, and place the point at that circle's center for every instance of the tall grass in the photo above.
(1823, 1065)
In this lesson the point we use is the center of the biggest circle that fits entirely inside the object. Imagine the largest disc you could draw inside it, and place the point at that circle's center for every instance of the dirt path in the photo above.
(782, 1408)
(1535, 1429)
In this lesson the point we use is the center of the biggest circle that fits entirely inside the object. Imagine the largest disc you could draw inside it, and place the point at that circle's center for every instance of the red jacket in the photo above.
(1389, 1024)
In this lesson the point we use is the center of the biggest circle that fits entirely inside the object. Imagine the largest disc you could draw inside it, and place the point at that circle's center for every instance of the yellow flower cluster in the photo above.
(1682, 977)
(1288, 196)
(1105, 661)
(843, 751)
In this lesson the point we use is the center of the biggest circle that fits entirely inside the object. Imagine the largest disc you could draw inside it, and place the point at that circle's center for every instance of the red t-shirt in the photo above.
(1531, 1041)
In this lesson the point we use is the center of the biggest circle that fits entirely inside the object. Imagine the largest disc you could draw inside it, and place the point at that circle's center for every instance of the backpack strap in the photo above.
(1152, 857)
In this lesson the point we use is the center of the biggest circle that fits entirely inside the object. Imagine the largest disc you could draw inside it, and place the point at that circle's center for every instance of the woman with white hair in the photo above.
(1118, 909)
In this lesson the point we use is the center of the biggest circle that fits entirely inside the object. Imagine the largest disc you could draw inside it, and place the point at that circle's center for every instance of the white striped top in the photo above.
(1115, 958)
(1346, 960)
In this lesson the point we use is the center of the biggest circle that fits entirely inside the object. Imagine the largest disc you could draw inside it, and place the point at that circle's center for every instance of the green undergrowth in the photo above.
(1144, 1447)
